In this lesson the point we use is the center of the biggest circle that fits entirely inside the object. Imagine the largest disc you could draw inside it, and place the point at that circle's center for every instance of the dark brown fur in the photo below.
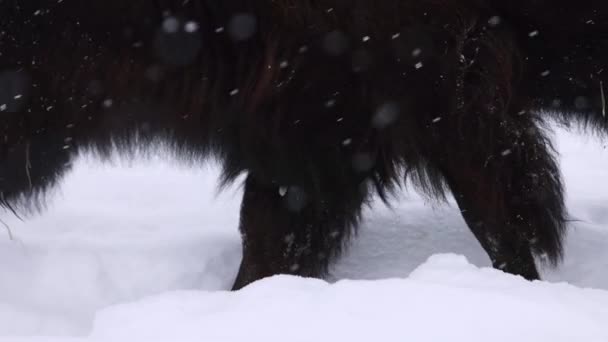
(322, 104)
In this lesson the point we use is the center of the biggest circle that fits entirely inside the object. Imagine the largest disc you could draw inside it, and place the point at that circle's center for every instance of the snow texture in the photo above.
(145, 251)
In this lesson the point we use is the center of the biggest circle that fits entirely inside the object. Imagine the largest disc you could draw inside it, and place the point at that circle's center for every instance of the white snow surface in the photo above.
(146, 250)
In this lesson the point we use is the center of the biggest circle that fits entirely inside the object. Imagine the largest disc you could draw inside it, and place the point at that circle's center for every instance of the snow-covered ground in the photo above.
(145, 251)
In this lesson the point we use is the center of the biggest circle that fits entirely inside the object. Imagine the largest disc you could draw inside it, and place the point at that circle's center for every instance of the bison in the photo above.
(321, 103)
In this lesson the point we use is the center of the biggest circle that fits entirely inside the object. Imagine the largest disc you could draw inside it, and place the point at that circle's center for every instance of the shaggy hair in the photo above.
(322, 103)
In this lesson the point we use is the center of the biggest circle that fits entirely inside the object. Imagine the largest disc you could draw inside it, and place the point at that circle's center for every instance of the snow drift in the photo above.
(151, 262)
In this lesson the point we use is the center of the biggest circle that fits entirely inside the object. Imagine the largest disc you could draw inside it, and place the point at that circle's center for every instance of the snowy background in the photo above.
(145, 251)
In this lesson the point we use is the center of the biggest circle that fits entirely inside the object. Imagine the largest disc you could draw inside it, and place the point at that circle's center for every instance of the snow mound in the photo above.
(445, 299)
